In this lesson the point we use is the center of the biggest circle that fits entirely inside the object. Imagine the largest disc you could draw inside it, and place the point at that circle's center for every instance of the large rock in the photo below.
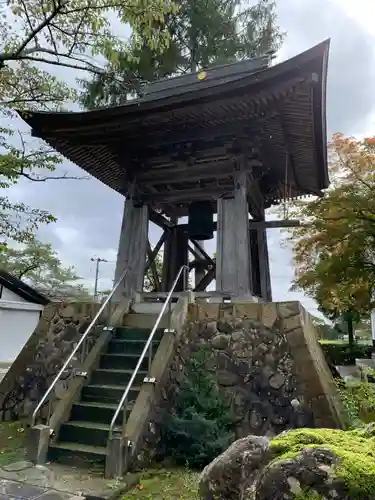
(311, 472)
(230, 475)
(304, 464)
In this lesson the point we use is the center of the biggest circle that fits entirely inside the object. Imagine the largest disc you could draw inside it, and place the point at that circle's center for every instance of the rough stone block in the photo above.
(115, 462)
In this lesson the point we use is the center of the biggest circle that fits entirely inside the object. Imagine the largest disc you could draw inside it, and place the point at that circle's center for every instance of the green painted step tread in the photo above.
(78, 447)
(133, 341)
(91, 425)
(115, 387)
(117, 370)
(93, 404)
(124, 355)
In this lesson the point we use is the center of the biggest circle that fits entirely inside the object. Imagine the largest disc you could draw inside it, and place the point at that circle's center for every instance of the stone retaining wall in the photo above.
(57, 332)
(266, 360)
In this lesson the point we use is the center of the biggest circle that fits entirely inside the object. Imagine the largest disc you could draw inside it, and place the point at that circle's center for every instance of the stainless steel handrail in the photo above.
(81, 341)
(122, 404)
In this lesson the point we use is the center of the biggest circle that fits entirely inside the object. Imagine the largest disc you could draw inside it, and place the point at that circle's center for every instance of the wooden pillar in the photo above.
(233, 267)
(261, 277)
(200, 269)
(132, 249)
(264, 263)
(255, 268)
(175, 256)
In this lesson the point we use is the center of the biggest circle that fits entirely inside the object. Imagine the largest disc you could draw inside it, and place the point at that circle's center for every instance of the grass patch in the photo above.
(12, 442)
(179, 484)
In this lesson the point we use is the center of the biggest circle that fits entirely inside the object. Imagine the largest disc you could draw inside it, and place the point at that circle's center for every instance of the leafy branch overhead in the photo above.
(334, 252)
(202, 33)
(37, 35)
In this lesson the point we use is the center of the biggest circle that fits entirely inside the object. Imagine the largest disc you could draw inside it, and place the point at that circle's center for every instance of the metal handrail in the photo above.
(81, 341)
(142, 356)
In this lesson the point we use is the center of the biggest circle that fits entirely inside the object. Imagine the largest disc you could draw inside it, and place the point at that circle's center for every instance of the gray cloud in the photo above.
(89, 213)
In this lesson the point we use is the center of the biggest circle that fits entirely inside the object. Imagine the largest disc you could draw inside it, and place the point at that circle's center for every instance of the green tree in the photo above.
(39, 265)
(36, 36)
(334, 247)
(202, 33)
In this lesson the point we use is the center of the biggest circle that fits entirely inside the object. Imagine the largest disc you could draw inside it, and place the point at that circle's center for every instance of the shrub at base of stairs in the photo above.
(303, 464)
(340, 353)
(201, 425)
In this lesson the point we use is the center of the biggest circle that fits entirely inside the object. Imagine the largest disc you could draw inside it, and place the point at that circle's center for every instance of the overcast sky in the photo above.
(89, 213)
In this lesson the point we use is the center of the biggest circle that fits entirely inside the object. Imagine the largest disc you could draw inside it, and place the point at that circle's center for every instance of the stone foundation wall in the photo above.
(57, 332)
(266, 360)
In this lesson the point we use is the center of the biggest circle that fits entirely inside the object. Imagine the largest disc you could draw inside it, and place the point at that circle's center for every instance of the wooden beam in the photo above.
(155, 251)
(160, 220)
(187, 195)
(186, 173)
(153, 267)
(202, 252)
(270, 224)
(206, 280)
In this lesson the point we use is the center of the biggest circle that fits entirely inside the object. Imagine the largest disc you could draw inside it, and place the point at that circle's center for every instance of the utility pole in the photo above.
(97, 260)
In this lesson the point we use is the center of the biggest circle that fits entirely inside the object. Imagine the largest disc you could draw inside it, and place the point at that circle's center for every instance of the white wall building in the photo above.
(20, 310)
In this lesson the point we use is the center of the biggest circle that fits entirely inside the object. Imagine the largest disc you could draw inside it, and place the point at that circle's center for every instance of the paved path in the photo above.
(14, 490)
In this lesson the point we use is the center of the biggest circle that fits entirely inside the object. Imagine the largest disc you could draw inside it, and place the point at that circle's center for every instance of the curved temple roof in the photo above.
(187, 136)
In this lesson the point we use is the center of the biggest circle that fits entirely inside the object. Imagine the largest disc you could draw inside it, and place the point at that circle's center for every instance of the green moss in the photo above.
(355, 449)
(174, 484)
(308, 495)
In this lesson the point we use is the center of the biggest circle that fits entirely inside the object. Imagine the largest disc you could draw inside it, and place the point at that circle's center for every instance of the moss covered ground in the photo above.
(12, 442)
(178, 484)
(355, 449)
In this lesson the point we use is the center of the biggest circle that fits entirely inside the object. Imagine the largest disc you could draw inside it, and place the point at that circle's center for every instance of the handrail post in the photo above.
(82, 342)
(146, 349)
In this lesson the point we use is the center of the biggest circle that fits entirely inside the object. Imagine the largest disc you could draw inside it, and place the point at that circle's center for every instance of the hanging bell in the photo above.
(201, 221)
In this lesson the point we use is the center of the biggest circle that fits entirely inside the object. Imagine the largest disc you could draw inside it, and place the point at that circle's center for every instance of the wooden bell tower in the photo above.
(203, 153)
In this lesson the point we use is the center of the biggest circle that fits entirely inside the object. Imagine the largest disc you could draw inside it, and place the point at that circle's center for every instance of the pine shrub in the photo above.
(201, 425)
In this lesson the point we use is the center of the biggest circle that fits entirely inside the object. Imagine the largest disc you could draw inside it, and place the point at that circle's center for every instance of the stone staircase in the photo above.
(83, 438)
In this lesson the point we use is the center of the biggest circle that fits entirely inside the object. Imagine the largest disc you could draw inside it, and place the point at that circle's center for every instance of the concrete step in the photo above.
(150, 307)
(126, 333)
(134, 320)
(86, 433)
(96, 412)
(127, 346)
(108, 393)
(122, 361)
(81, 455)
(108, 376)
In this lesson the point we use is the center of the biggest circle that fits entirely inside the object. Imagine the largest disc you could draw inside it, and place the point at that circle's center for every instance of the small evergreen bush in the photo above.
(201, 426)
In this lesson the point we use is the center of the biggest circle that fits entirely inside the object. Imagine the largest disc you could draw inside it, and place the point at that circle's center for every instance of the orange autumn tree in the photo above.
(334, 250)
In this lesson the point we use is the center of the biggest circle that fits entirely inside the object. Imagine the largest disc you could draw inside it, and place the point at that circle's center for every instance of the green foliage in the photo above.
(358, 398)
(202, 33)
(35, 37)
(38, 264)
(201, 426)
(355, 449)
(340, 353)
(334, 250)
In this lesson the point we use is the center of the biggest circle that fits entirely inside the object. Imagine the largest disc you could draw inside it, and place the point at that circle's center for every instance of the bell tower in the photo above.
(200, 154)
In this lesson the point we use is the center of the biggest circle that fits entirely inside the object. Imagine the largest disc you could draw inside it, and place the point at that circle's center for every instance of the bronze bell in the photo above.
(201, 221)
